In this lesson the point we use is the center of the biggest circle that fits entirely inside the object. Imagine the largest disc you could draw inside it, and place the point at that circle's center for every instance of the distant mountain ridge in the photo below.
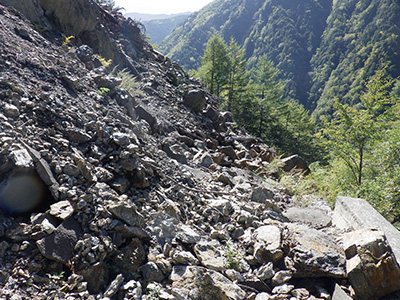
(323, 48)
(149, 17)
(159, 26)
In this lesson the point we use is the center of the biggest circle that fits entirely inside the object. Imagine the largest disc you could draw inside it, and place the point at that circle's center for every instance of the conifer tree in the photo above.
(238, 77)
(214, 68)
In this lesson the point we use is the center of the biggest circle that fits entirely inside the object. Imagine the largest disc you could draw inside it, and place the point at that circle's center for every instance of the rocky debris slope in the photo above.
(150, 193)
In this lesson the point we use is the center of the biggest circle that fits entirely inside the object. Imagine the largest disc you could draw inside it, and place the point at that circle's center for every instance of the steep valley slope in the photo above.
(323, 49)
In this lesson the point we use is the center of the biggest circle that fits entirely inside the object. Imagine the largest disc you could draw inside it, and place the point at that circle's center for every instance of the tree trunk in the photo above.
(360, 167)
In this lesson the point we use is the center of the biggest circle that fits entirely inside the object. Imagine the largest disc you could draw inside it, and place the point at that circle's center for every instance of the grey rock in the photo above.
(281, 277)
(184, 258)
(371, 266)
(283, 289)
(130, 258)
(314, 253)
(44, 171)
(143, 114)
(265, 272)
(261, 194)
(21, 158)
(151, 272)
(77, 136)
(59, 246)
(223, 206)
(315, 217)
(125, 99)
(295, 163)
(96, 276)
(263, 296)
(339, 294)
(11, 110)
(357, 214)
(84, 53)
(211, 255)
(226, 179)
(301, 293)
(71, 170)
(108, 81)
(114, 286)
(128, 214)
(201, 283)
(267, 246)
(187, 235)
(62, 210)
(196, 100)
(228, 151)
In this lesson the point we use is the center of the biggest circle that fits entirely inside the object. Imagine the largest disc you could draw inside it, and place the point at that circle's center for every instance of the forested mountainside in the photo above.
(323, 48)
(158, 29)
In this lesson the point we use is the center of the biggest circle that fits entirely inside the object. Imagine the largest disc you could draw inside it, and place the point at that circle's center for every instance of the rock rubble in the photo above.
(150, 193)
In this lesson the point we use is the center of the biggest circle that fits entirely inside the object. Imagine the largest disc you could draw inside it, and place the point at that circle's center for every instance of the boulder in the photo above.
(210, 254)
(196, 100)
(201, 283)
(295, 163)
(59, 246)
(130, 258)
(313, 253)
(371, 265)
(187, 235)
(128, 214)
(315, 217)
(267, 245)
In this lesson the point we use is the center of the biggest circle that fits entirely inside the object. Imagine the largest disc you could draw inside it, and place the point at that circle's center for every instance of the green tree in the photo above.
(238, 76)
(214, 68)
(353, 129)
(269, 92)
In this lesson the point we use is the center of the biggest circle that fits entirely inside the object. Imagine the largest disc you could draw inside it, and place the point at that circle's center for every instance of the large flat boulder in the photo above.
(358, 213)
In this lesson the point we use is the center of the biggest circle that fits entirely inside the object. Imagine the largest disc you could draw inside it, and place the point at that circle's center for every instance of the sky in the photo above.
(162, 6)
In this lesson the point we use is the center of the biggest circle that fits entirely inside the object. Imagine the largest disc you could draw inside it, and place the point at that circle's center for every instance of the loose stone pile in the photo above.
(148, 194)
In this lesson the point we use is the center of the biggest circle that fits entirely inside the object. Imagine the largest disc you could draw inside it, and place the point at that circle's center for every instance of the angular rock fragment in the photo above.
(295, 163)
(201, 283)
(315, 217)
(313, 253)
(187, 235)
(210, 255)
(371, 265)
(128, 214)
(59, 246)
(196, 100)
(267, 246)
(62, 210)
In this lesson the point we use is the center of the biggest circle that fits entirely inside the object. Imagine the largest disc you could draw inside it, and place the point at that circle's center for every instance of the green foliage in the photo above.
(215, 64)
(322, 50)
(129, 82)
(66, 44)
(103, 91)
(238, 77)
(105, 62)
(56, 278)
(364, 151)
(154, 291)
(256, 99)
(233, 256)
(361, 37)
(354, 129)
